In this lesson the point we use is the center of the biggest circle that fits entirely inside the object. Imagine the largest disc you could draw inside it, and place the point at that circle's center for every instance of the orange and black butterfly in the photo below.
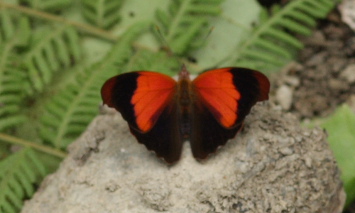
(162, 113)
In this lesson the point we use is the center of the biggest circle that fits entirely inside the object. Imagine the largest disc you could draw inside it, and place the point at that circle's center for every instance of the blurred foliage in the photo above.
(341, 136)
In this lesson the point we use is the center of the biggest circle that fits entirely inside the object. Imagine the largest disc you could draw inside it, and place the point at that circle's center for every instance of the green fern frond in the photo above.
(270, 45)
(185, 21)
(18, 173)
(15, 33)
(69, 113)
(51, 50)
(102, 13)
(13, 28)
(11, 90)
(154, 61)
(48, 5)
(7, 24)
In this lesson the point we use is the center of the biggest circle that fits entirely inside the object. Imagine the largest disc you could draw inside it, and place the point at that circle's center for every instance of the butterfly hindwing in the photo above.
(146, 101)
(164, 138)
(206, 133)
(223, 98)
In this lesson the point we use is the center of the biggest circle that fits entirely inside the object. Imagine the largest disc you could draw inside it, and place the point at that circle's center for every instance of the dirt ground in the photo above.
(323, 76)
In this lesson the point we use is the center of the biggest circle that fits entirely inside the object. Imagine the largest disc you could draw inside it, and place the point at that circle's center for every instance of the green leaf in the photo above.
(18, 173)
(232, 26)
(298, 17)
(25, 31)
(185, 21)
(11, 74)
(7, 25)
(51, 50)
(154, 61)
(14, 28)
(102, 13)
(269, 45)
(340, 127)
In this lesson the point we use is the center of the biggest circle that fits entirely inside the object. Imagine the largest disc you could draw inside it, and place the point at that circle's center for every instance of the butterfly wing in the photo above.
(146, 101)
(223, 98)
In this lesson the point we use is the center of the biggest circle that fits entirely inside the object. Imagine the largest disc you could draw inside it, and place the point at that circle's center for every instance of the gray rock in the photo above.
(273, 165)
(346, 9)
(284, 96)
(349, 73)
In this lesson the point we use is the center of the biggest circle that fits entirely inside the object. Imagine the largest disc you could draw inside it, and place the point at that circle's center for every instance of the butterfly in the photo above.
(162, 113)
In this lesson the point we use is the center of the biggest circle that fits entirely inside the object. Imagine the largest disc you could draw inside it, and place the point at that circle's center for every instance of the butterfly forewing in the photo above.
(117, 92)
(146, 101)
(223, 98)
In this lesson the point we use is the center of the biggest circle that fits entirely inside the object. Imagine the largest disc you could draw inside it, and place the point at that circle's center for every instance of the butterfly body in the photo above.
(207, 111)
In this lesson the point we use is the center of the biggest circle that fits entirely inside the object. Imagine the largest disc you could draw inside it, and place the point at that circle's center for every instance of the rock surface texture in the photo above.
(273, 165)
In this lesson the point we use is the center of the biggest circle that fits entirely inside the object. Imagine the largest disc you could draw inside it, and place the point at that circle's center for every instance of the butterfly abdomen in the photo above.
(184, 102)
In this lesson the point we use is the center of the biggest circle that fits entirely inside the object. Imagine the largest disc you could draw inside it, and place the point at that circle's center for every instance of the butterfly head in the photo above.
(184, 74)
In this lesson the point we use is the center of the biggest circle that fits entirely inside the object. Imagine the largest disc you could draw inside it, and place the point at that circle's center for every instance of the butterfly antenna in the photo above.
(168, 49)
(209, 33)
(165, 44)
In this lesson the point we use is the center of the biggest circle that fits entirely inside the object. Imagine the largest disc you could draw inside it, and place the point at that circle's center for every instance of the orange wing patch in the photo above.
(218, 93)
(153, 93)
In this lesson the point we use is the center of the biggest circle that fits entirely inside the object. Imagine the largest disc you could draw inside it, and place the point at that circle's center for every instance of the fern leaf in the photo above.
(50, 51)
(18, 173)
(11, 75)
(102, 13)
(184, 21)
(7, 25)
(270, 46)
(69, 113)
(13, 28)
(48, 5)
(157, 61)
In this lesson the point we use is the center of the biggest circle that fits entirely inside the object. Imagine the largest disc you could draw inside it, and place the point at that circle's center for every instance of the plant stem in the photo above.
(39, 147)
(40, 14)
